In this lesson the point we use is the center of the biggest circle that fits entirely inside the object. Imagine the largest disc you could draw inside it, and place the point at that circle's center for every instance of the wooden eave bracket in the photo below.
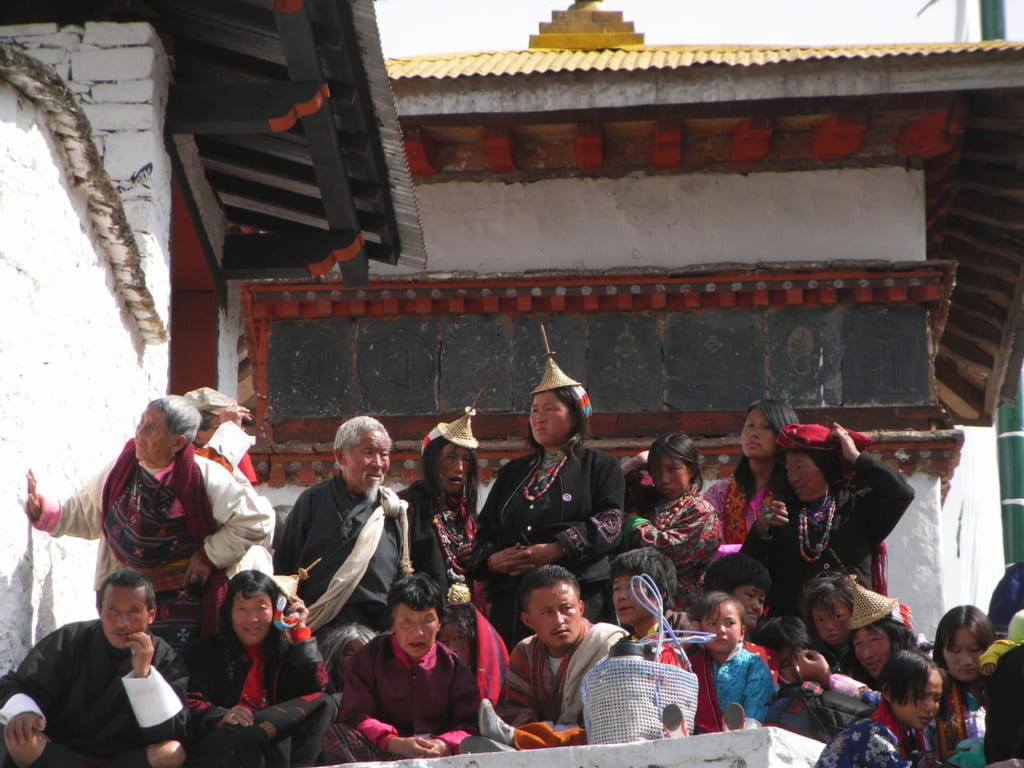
(838, 136)
(296, 255)
(668, 146)
(419, 152)
(932, 134)
(589, 150)
(337, 256)
(499, 148)
(301, 109)
(751, 141)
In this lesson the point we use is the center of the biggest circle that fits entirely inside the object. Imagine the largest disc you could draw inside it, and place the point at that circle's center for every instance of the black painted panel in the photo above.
(885, 360)
(626, 369)
(568, 338)
(714, 360)
(804, 357)
(476, 355)
(398, 364)
(309, 369)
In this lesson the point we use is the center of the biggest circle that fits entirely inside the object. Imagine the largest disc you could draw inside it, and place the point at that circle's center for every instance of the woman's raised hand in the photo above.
(298, 608)
(33, 504)
(847, 447)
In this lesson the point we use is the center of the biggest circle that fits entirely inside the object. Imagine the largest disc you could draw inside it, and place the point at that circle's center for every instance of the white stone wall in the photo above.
(753, 748)
(73, 371)
(120, 75)
(673, 221)
(915, 555)
(972, 524)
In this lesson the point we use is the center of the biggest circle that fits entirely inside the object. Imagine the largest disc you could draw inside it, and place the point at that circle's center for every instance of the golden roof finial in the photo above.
(586, 27)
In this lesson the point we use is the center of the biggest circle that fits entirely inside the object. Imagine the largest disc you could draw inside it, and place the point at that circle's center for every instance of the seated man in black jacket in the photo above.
(99, 691)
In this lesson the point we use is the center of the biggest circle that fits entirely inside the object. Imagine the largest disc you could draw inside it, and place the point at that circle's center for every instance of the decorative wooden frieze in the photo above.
(658, 352)
(935, 453)
(904, 284)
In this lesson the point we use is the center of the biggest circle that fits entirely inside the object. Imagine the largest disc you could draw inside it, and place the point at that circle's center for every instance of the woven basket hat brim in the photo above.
(554, 378)
(869, 607)
(459, 432)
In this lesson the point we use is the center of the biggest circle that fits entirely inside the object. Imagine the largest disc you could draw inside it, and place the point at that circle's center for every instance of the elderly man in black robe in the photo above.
(353, 528)
(99, 692)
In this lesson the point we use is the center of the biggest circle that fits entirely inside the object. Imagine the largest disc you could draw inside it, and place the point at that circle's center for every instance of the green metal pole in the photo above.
(993, 20)
(1009, 418)
(1010, 449)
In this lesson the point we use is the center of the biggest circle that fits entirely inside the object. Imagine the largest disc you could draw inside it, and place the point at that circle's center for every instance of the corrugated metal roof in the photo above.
(634, 59)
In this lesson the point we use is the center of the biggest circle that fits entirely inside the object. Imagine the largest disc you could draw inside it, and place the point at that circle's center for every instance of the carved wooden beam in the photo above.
(239, 108)
(997, 211)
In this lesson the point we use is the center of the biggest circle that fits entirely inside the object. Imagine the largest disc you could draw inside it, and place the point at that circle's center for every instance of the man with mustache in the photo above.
(355, 527)
(103, 691)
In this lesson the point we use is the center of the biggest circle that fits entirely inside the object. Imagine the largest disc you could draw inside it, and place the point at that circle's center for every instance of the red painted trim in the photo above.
(282, 123)
(932, 134)
(499, 147)
(668, 146)
(837, 136)
(347, 253)
(751, 141)
(589, 147)
(937, 457)
(287, 6)
(419, 152)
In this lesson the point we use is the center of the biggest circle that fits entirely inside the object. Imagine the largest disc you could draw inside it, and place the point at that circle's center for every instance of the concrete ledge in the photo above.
(755, 748)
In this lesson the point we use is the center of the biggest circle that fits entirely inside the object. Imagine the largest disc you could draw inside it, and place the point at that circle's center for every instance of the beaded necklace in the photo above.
(453, 530)
(670, 508)
(826, 509)
(543, 476)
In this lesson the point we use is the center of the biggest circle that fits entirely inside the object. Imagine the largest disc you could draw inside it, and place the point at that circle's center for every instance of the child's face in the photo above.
(918, 713)
(628, 611)
(832, 622)
(457, 642)
(963, 656)
(727, 627)
(671, 476)
(752, 598)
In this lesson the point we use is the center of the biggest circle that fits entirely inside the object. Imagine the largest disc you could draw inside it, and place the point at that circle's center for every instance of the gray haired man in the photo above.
(355, 526)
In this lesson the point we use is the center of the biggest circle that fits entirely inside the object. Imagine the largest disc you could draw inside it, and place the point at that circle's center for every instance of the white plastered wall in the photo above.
(73, 371)
(673, 221)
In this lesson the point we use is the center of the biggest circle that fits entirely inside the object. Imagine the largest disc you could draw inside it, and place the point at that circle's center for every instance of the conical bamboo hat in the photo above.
(459, 431)
(554, 377)
(868, 606)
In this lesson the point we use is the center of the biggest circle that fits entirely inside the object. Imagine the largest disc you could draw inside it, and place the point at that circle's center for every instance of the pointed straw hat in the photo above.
(868, 606)
(459, 431)
(555, 378)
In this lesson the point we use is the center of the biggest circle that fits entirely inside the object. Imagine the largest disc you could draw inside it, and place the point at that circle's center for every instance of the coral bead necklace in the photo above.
(826, 510)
